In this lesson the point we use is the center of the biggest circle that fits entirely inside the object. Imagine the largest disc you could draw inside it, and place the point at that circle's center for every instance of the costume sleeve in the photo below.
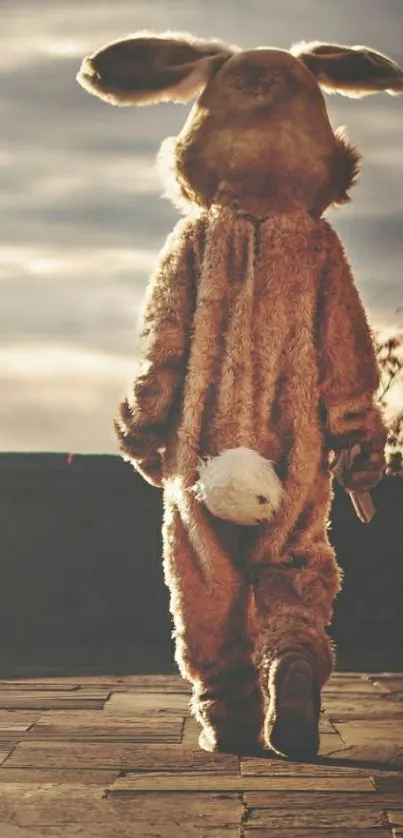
(142, 423)
(348, 372)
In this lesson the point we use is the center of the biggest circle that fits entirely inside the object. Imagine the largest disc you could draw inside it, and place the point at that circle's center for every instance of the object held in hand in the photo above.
(362, 501)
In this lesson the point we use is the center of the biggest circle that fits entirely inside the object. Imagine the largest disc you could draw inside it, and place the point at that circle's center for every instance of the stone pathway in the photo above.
(117, 757)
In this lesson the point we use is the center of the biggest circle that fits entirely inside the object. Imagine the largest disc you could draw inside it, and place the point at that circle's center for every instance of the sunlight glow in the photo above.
(48, 360)
(81, 261)
(65, 48)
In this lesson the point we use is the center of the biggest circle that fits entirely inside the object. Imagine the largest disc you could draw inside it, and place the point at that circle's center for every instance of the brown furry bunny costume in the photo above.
(257, 363)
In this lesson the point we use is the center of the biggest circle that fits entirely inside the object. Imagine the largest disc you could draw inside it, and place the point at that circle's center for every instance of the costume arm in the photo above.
(142, 423)
(348, 371)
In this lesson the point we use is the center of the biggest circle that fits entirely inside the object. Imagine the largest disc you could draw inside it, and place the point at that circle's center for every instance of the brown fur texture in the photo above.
(352, 71)
(152, 68)
(253, 335)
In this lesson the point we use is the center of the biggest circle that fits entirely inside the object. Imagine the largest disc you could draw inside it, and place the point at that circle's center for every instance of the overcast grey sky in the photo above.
(82, 220)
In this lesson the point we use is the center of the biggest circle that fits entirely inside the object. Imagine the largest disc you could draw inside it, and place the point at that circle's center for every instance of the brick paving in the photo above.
(117, 757)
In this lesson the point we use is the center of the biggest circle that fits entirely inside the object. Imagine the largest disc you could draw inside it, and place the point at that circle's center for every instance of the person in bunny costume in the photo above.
(257, 365)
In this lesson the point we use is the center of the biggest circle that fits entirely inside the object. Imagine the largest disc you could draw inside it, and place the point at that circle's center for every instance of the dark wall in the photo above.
(80, 556)
(370, 608)
(80, 550)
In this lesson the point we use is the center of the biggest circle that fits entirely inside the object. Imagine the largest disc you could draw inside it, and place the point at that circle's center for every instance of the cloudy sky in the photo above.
(82, 220)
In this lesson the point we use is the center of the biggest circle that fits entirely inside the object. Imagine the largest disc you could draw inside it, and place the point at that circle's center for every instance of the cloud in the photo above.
(59, 397)
(84, 220)
(49, 293)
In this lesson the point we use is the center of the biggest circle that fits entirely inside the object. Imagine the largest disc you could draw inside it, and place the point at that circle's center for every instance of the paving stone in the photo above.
(190, 734)
(395, 816)
(65, 776)
(124, 702)
(388, 683)
(353, 684)
(366, 709)
(256, 767)
(151, 683)
(42, 686)
(389, 783)
(94, 725)
(131, 783)
(124, 756)
(52, 699)
(16, 722)
(315, 833)
(382, 731)
(314, 811)
(310, 819)
(329, 743)
(294, 801)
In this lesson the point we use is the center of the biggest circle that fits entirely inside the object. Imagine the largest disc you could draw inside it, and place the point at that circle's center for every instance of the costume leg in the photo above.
(213, 644)
(294, 604)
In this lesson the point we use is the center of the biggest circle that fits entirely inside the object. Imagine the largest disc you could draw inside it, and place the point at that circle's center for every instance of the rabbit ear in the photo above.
(353, 71)
(148, 68)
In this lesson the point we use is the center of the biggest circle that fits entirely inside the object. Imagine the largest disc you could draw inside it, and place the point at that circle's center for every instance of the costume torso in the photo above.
(252, 375)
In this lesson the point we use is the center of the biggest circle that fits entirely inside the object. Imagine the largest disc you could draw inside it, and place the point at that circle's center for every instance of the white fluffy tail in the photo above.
(239, 485)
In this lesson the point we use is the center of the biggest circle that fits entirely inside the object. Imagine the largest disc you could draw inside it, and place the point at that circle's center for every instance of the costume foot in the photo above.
(230, 745)
(291, 726)
(231, 724)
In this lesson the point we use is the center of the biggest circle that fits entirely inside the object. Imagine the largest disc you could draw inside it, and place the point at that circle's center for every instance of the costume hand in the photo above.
(151, 470)
(360, 468)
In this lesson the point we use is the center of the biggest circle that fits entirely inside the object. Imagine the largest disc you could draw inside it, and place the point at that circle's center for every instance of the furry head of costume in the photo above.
(257, 362)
